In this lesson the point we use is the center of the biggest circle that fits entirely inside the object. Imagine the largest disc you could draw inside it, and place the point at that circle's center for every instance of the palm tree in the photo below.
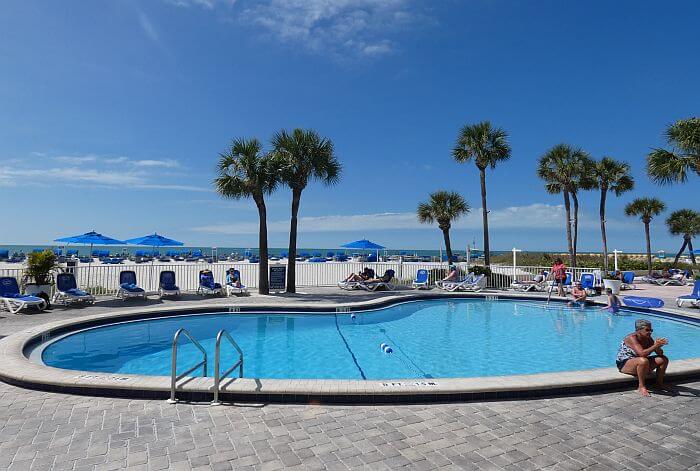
(304, 156)
(487, 146)
(562, 168)
(646, 209)
(685, 222)
(245, 172)
(672, 166)
(444, 207)
(608, 175)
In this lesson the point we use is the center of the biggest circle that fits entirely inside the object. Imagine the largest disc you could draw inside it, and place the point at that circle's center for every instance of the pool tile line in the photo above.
(347, 346)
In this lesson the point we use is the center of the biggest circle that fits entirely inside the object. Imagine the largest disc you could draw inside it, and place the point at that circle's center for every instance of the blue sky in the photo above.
(113, 113)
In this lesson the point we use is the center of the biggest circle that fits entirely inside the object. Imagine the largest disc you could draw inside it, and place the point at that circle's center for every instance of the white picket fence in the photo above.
(104, 279)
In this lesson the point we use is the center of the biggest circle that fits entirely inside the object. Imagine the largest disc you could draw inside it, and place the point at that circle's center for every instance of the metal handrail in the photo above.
(173, 374)
(217, 361)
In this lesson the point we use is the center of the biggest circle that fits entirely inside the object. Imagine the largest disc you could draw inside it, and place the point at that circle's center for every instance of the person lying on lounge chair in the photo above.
(385, 278)
(579, 295)
(365, 275)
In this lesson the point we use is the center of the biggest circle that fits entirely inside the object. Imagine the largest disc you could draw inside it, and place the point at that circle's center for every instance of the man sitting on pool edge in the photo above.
(634, 356)
(579, 295)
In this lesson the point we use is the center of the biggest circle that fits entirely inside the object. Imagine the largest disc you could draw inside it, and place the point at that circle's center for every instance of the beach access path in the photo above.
(615, 430)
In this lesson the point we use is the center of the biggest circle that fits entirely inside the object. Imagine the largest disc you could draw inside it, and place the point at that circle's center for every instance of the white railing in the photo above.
(104, 279)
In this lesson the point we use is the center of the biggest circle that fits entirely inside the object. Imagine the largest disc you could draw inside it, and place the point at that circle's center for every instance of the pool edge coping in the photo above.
(16, 368)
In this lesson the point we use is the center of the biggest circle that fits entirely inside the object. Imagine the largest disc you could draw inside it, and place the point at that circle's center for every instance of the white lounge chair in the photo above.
(383, 282)
(13, 301)
(67, 291)
(455, 285)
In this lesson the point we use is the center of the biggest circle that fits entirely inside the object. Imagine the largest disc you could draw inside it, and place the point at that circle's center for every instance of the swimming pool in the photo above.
(454, 338)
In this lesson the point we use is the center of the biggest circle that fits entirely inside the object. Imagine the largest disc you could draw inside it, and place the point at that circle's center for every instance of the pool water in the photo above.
(429, 339)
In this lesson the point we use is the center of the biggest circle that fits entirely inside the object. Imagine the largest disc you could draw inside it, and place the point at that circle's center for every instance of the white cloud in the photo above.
(534, 216)
(148, 27)
(94, 170)
(208, 4)
(167, 163)
(76, 160)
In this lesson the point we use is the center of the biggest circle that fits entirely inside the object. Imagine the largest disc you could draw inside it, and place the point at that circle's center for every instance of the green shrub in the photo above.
(39, 267)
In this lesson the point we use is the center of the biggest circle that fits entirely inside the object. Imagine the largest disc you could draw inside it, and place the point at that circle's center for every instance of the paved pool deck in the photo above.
(614, 430)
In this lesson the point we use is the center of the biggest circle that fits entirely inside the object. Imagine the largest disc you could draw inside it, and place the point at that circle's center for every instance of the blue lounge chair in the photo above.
(128, 288)
(231, 288)
(13, 301)
(207, 285)
(693, 298)
(628, 280)
(67, 291)
(166, 284)
(588, 282)
(421, 281)
(4, 254)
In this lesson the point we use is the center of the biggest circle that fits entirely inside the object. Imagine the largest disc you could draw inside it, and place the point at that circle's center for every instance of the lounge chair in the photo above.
(351, 285)
(13, 301)
(588, 283)
(628, 280)
(233, 289)
(128, 288)
(384, 282)
(207, 285)
(67, 291)
(693, 298)
(530, 285)
(567, 282)
(421, 281)
(166, 284)
(664, 281)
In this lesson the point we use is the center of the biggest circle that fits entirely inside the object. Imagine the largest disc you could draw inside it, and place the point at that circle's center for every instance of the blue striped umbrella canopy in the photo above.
(154, 240)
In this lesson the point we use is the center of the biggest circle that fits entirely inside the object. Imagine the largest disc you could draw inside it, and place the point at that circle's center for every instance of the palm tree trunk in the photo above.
(574, 196)
(485, 217)
(690, 250)
(291, 261)
(263, 275)
(680, 252)
(646, 232)
(603, 195)
(448, 246)
(567, 208)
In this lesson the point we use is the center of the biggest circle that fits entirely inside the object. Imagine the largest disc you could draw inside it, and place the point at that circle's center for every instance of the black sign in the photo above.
(278, 277)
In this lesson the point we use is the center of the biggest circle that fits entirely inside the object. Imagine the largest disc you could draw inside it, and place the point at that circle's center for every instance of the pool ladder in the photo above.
(218, 376)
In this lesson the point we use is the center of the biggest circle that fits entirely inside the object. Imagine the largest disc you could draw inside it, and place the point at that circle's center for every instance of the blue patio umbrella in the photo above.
(92, 238)
(154, 240)
(364, 244)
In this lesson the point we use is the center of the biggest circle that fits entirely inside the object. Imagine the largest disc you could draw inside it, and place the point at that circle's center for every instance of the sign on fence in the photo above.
(278, 277)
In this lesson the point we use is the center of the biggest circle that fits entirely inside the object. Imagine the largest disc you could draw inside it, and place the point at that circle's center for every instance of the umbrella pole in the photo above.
(89, 268)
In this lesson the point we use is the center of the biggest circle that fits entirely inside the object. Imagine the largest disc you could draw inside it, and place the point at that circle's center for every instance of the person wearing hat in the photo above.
(634, 357)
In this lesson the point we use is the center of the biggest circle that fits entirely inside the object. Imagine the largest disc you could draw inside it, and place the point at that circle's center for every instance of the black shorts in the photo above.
(651, 359)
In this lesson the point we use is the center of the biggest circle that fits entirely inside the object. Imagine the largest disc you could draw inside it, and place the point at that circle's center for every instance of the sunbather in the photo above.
(366, 274)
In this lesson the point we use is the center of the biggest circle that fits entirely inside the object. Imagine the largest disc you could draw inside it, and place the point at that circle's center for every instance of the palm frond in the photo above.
(443, 207)
(645, 208)
(482, 143)
(684, 222)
